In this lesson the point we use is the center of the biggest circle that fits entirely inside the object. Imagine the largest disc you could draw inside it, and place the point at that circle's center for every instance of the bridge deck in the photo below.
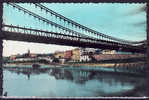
(69, 41)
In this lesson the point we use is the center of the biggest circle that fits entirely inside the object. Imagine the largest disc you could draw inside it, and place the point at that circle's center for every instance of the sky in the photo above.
(124, 21)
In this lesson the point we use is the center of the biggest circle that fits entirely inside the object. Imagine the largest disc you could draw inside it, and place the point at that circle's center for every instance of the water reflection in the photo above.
(82, 76)
(1, 81)
(66, 82)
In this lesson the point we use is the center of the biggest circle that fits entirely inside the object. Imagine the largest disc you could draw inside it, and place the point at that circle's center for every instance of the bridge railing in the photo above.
(30, 31)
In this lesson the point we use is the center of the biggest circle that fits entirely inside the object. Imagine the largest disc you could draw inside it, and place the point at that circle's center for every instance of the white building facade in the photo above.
(85, 54)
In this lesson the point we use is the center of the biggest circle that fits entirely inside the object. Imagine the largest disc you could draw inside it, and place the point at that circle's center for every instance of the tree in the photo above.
(56, 60)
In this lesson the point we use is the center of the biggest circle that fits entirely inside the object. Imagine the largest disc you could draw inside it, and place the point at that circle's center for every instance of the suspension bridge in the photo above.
(74, 34)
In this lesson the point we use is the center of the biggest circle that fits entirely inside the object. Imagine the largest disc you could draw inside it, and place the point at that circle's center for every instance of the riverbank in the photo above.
(141, 64)
(120, 66)
(114, 68)
(136, 64)
(29, 65)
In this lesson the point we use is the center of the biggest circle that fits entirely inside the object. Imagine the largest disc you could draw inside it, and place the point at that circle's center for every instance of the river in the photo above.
(65, 82)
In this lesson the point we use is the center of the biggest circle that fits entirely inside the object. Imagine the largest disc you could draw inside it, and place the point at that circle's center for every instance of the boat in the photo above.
(35, 66)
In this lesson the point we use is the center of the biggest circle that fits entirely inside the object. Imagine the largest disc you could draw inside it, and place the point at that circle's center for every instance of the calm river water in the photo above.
(64, 82)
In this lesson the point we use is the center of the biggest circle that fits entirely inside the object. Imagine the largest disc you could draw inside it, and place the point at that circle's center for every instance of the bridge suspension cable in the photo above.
(84, 27)
(70, 31)
(69, 21)
(47, 21)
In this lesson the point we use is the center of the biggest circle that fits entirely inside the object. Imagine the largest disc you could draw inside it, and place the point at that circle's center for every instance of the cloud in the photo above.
(144, 8)
(138, 10)
(141, 23)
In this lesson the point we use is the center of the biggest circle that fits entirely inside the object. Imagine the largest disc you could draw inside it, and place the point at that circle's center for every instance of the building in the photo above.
(33, 55)
(108, 52)
(13, 57)
(75, 55)
(85, 54)
(47, 58)
(62, 60)
(85, 58)
(59, 55)
(115, 52)
(68, 54)
(119, 52)
(87, 51)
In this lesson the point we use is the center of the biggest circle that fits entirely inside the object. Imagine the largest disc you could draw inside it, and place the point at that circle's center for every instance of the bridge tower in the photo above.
(1, 48)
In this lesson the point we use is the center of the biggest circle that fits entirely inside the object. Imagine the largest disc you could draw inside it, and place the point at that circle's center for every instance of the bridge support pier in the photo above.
(1, 49)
